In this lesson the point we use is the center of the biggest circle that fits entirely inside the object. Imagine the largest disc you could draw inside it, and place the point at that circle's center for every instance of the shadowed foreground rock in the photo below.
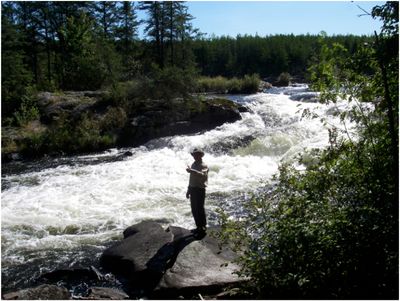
(41, 292)
(149, 262)
(167, 263)
(132, 256)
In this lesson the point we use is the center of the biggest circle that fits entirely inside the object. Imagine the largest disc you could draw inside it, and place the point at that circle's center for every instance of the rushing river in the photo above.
(64, 212)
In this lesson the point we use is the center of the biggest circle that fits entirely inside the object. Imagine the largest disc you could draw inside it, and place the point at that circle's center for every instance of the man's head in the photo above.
(197, 154)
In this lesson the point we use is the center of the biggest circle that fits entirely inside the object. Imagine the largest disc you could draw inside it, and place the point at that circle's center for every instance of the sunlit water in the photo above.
(65, 215)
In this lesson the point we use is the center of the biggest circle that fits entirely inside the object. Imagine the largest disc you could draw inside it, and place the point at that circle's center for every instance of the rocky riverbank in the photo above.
(148, 262)
(92, 121)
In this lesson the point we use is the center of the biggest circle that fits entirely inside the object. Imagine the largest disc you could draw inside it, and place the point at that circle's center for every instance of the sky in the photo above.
(283, 17)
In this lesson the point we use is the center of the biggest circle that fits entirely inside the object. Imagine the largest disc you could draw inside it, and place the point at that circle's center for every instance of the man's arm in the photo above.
(203, 172)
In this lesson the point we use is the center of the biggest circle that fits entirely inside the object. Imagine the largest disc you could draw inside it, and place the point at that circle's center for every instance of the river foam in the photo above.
(77, 204)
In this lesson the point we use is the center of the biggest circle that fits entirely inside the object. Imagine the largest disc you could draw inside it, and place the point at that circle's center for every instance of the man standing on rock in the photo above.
(197, 191)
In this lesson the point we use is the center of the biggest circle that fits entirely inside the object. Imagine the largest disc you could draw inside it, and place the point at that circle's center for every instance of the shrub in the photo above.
(83, 135)
(114, 119)
(248, 84)
(28, 110)
(171, 82)
(329, 232)
(283, 79)
(217, 84)
(33, 145)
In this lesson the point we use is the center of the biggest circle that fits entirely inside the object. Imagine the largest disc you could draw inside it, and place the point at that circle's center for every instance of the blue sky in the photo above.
(282, 17)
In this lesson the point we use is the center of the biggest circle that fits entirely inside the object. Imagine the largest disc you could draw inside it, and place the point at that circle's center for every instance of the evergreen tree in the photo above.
(127, 34)
(84, 67)
(16, 76)
(156, 27)
(127, 29)
(106, 15)
(185, 33)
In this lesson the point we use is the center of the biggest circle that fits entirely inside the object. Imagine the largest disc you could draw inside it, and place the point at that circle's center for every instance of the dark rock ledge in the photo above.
(149, 262)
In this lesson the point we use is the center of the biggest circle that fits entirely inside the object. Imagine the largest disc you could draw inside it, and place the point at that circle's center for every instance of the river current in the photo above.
(63, 212)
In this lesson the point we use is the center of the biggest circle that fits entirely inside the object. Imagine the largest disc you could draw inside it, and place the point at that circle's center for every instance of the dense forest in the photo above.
(52, 45)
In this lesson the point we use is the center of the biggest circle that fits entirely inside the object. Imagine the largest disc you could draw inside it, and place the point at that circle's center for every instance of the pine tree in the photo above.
(156, 27)
(106, 15)
(127, 29)
(18, 76)
(127, 35)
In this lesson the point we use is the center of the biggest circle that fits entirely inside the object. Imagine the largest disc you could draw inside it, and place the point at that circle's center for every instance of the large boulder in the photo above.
(201, 265)
(136, 255)
(166, 263)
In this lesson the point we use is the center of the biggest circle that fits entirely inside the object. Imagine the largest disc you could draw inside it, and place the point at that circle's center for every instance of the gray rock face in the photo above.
(72, 104)
(201, 264)
(42, 292)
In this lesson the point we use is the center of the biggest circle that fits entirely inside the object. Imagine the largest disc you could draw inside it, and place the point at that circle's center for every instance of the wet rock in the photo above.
(264, 85)
(42, 292)
(105, 293)
(149, 226)
(72, 275)
(305, 97)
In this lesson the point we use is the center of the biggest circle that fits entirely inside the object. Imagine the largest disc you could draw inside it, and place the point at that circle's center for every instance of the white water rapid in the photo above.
(57, 215)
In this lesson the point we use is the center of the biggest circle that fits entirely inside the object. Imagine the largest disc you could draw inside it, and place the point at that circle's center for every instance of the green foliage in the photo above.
(248, 84)
(86, 134)
(87, 64)
(27, 112)
(284, 79)
(331, 231)
(216, 84)
(18, 80)
(114, 119)
(169, 83)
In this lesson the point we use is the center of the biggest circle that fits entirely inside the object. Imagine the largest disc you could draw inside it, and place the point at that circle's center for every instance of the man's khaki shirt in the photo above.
(200, 177)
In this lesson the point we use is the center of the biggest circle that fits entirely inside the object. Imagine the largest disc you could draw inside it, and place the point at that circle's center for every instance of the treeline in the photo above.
(55, 45)
(266, 56)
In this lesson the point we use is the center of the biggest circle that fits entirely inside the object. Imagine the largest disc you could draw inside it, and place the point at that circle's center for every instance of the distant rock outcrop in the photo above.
(180, 118)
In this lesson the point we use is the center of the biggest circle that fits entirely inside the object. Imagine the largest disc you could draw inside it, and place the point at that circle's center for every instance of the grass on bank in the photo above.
(246, 85)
